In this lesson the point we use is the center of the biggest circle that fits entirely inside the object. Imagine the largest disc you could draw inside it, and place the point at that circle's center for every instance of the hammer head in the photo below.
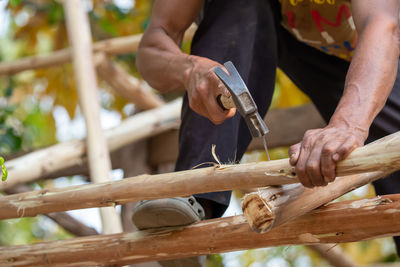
(242, 98)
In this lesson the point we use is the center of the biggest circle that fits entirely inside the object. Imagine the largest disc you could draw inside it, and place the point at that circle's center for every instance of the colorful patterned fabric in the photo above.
(324, 24)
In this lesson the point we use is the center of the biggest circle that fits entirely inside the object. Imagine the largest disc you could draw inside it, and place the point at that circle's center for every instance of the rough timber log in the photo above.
(163, 148)
(43, 162)
(212, 179)
(288, 127)
(334, 255)
(63, 219)
(272, 206)
(126, 85)
(120, 45)
(335, 223)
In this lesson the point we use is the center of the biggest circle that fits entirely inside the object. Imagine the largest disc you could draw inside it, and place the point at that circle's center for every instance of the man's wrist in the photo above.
(189, 63)
(357, 127)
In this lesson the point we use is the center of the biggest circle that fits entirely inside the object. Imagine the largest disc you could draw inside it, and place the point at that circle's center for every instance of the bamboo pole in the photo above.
(120, 45)
(212, 179)
(270, 207)
(98, 155)
(335, 223)
(44, 162)
(125, 85)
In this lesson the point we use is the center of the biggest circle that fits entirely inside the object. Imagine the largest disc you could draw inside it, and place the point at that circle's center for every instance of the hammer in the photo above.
(242, 100)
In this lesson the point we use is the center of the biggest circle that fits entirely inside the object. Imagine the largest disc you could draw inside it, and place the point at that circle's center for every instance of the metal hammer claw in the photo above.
(241, 98)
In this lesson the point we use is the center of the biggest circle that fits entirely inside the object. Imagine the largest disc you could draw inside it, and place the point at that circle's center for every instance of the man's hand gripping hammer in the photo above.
(242, 100)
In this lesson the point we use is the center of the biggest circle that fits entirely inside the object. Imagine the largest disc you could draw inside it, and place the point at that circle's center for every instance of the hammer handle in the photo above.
(225, 102)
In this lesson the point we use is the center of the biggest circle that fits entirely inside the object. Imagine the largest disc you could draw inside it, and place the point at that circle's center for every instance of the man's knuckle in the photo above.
(312, 165)
(300, 171)
(328, 150)
(308, 133)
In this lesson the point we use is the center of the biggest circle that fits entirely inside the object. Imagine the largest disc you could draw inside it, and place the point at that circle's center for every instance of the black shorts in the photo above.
(251, 36)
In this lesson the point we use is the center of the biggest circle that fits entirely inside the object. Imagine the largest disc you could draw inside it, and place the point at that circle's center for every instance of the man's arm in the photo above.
(369, 81)
(166, 68)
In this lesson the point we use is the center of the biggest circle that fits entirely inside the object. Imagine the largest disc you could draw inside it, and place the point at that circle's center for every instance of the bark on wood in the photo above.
(212, 179)
(334, 255)
(270, 207)
(63, 219)
(126, 85)
(287, 126)
(335, 223)
(120, 45)
(85, 76)
(48, 161)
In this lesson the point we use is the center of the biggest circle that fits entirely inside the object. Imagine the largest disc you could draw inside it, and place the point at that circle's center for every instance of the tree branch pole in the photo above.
(67, 158)
(334, 255)
(126, 85)
(63, 219)
(335, 223)
(44, 162)
(272, 206)
(120, 45)
(98, 155)
(183, 183)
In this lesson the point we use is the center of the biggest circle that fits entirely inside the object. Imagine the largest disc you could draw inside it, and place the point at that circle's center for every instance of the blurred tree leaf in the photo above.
(14, 3)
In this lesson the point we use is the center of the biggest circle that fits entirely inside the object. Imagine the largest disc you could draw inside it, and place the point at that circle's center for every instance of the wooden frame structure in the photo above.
(157, 125)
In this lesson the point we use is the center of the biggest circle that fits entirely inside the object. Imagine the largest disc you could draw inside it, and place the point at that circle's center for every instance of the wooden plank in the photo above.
(334, 223)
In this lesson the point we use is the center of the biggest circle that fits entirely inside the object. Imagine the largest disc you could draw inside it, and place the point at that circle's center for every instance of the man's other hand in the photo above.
(315, 157)
(203, 87)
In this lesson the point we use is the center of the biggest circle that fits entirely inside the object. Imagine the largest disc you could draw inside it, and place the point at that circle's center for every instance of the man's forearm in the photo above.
(370, 77)
(161, 62)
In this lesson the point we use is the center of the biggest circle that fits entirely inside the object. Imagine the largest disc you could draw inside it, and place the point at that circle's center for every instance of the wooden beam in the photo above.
(85, 76)
(272, 206)
(120, 45)
(183, 183)
(287, 127)
(167, 141)
(335, 223)
(64, 220)
(71, 225)
(127, 86)
(334, 254)
(48, 161)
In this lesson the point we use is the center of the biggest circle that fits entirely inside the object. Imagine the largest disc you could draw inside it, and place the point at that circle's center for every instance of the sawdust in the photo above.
(217, 165)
